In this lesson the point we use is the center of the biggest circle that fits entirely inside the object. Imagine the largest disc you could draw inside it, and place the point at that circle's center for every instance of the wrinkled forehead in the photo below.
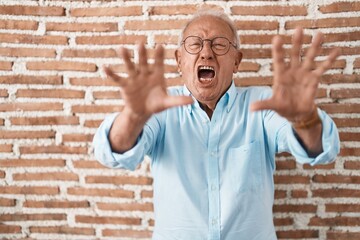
(209, 27)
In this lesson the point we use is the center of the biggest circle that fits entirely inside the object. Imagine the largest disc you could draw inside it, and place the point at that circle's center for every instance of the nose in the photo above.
(206, 52)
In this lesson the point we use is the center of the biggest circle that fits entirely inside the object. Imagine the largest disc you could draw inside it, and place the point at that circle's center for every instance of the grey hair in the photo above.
(214, 13)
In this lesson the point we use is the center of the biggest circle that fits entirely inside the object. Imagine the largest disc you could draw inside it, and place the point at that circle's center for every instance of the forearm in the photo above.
(125, 130)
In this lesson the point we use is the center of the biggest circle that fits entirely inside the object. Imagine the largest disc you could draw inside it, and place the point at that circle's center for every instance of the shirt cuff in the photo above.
(105, 155)
(330, 142)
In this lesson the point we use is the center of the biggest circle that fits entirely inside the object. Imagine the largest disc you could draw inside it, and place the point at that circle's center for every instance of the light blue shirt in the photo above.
(213, 179)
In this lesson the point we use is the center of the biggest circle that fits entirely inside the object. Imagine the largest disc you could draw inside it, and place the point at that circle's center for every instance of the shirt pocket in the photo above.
(245, 167)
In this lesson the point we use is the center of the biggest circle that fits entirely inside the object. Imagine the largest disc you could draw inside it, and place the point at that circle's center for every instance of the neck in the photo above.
(208, 108)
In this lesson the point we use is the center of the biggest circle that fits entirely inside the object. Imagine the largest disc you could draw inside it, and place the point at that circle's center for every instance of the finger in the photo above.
(296, 46)
(110, 73)
(324, 66)
(159, 60)
(262, 105)
(130, 67)
(278, 56)
(143, 60)
(313, 51)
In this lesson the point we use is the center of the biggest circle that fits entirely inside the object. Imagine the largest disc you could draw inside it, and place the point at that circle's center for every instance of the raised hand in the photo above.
(144, 90)
(295, 86)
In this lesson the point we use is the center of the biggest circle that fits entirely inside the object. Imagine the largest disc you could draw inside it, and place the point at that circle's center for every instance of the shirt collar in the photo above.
(230, 96)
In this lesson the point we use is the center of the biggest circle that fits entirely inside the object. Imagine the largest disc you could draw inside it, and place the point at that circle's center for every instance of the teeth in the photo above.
(206, 68)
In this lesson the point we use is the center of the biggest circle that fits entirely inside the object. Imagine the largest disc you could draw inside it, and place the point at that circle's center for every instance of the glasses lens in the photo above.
(220, 45)
(193, 44)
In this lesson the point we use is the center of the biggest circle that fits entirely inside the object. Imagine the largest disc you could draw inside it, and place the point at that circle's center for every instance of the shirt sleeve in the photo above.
(131, 158)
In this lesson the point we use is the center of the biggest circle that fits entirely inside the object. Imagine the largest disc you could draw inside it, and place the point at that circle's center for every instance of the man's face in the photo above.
(207, 75)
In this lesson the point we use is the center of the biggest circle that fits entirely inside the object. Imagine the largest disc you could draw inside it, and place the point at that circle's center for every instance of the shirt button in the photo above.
(214, 221)
(213, 187)
(212, 153)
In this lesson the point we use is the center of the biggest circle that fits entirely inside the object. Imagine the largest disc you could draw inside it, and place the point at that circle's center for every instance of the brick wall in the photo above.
(53, 97)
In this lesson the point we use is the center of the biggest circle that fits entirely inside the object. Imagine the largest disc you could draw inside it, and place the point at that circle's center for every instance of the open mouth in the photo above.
(206, 73)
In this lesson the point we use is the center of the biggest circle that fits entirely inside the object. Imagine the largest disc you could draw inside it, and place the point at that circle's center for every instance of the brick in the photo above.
(56, 204)
(1, 122)
(269, 10)
(62, 66)
(5, 65)
(151, 222)
(341, 37)
(87, 164)
(256, 25)
(267, 39)
(31, 217)
(115, 193)
(53, 149)
(340, 107)
(356, 63)
(107, 220)
(301, 208)
(111, 11)
(251, 53)
(111, 40)
(29, 190)
(299, 194)
(92, 123)
(96, 108)
(92, 82)
(84, 53)
(319, 166)
(127, 233)
(352, 165)
(323, 23)
(32, 10)
(336, 193)
(19, 25)
(55, 120)
(46, 176)
(349, 136)
(106, 95)
(27, 79)
(28, 52)
(340, 78)
(285, 165)
(10, 107)
(37, 163)
(119, 180)
(297, 234)
(81, 27)
(350, 152)
(146, 194)
(293, 179)
(165, 40)
(50, 93)
(7, 202)
(2, 174)
(280, 194)
(4, 93)
(63, 230)
(336, 207)
(283, 221)
(335, 221)
(6, 147)
(7, 229)
(335, 235)
(331, 178)
(154, 25)
(173, 10)
(4, 134)
(249, 67)
(345, 93)
(340, 7)
(143, 207)
(77, 137)
(33, 39)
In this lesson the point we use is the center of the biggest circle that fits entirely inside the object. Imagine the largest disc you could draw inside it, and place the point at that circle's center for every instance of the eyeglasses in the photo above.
(219, 45)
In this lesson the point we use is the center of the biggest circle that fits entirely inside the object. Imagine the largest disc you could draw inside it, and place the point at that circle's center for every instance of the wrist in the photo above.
(309, 122)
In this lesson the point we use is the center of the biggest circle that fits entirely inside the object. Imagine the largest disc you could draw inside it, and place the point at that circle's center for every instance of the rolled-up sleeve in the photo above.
(104, 154)
(330, 143)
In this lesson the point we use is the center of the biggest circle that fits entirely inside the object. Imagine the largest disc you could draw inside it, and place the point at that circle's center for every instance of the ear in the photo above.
(237, 62)
(178, 59)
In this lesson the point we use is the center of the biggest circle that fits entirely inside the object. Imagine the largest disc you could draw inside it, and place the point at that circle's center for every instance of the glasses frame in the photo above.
(211, 45)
